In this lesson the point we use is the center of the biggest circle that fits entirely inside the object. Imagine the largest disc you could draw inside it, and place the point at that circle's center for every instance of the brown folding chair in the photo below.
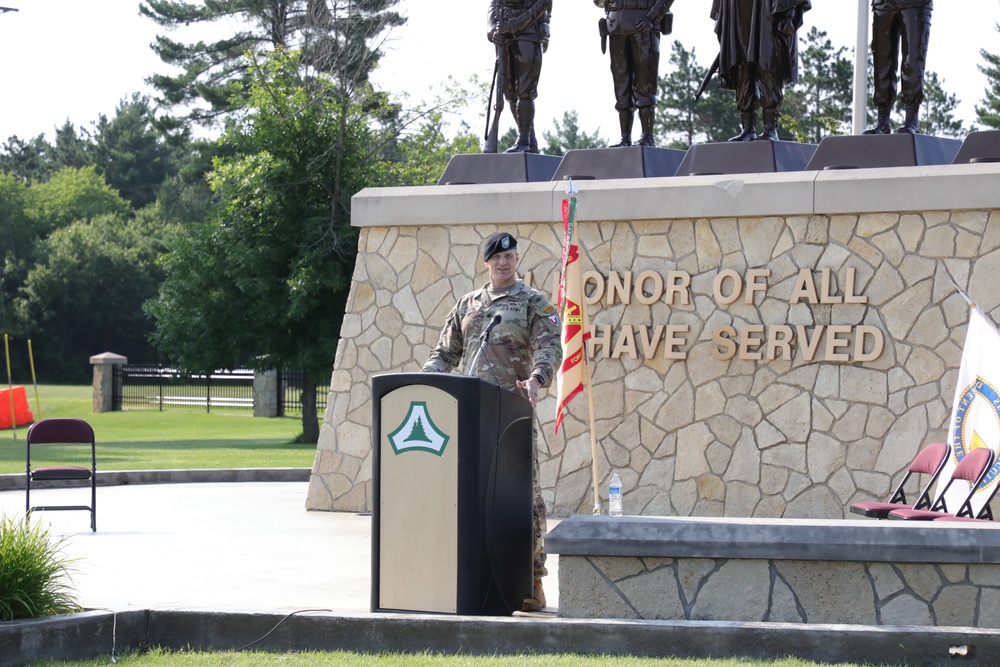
(930, 461)
(63, 432)
(971, 469)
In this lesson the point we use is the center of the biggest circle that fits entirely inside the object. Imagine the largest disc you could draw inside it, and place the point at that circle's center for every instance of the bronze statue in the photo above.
(896, 25)
(633, 28)
(520, 31)
(758, 55)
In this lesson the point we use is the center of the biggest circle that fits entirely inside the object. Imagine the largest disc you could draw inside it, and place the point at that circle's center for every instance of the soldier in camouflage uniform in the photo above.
(522, 354)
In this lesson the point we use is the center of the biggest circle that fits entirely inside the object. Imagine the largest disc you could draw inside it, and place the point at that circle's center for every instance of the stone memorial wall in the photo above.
(773, 345)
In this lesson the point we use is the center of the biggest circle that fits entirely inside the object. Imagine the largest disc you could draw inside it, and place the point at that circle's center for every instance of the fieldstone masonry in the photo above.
(782, 591)
(697, 405)
(104, 365)
(778, 570)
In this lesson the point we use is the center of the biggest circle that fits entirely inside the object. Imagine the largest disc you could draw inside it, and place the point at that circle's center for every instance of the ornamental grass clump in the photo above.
(34, 574)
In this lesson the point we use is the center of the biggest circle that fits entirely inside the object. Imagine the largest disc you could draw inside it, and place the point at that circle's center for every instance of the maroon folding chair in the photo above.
(63, 432)
(930, 461)
(971, 469)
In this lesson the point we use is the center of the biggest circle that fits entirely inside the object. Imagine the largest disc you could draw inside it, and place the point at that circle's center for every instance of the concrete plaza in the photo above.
(220, 546)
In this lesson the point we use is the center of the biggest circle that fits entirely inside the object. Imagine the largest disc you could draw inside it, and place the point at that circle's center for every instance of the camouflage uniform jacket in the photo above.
(525, 341)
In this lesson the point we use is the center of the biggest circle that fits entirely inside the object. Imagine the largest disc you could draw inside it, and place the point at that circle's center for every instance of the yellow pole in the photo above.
(10, 385)
(34, 381)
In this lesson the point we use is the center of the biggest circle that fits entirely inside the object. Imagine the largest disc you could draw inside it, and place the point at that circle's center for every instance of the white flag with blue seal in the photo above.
(975, 412)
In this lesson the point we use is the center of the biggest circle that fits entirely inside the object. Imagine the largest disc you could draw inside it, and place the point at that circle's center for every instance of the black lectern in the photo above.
(451, 495)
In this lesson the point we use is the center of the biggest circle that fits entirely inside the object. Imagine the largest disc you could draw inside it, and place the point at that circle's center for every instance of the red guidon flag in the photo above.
(573, 311)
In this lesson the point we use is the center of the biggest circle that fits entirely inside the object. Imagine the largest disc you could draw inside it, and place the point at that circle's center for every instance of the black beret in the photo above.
(499, 242)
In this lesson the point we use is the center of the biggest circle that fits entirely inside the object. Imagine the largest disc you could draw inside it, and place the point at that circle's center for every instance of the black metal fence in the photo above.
(144, 387)
(149, 387)
(290, 394)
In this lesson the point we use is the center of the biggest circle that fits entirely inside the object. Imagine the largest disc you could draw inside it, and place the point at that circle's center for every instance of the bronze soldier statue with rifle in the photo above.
(758, 55)
(633, 28)
(520, 31)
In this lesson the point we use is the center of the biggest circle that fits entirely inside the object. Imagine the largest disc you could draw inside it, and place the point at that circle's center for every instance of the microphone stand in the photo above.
(479, 352)
(482, 342)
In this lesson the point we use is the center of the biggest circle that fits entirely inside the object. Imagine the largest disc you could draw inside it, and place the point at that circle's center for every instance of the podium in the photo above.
(452, 495)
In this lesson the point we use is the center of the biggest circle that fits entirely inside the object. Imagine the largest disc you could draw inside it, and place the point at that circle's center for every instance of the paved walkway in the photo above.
(219, 546)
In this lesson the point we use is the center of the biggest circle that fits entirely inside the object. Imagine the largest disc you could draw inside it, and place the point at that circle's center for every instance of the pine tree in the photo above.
(568, 136)
(129, 153)
(682, 120)
(820, 104)
(334, 37)
(72, 149)
(938, 113)
(989, 113)
(28, 161)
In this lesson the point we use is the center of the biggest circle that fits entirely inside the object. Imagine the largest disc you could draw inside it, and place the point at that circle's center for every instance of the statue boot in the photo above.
(748, 120)
(625, 122)
(770, 132)
(882, 124)
(525, 115)
(911, 122)
(646, 117)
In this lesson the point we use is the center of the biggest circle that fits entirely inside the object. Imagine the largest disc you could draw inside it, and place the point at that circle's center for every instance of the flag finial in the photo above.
(972, 304)
(571, 189)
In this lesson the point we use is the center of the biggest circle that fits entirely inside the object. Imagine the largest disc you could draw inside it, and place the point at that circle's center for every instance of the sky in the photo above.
(76, 59)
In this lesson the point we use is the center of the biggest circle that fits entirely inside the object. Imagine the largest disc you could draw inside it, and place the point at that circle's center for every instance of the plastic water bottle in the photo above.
(615, 496)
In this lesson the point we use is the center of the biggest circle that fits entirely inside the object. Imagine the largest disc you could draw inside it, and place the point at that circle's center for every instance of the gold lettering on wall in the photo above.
(678, 284)
(725, 346)
(625, 345)
(804, 288)
(645, 278)
(720, 286)
(779, 337)
(837, 343)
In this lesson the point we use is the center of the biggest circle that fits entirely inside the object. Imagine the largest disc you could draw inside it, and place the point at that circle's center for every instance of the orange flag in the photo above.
(573, 311)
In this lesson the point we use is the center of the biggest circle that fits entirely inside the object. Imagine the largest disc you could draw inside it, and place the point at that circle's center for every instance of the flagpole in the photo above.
(573, 309)
(861, 69)
(593, 431)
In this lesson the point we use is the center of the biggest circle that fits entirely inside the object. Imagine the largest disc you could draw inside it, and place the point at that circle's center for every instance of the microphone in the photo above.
(486, 333)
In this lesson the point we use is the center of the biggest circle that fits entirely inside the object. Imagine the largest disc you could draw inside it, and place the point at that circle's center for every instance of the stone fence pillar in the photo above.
(265, 394)
(104, 365)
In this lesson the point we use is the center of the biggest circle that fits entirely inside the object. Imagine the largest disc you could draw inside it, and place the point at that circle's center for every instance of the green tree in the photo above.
(17, 244)
(70, 195)
(988, 110)
(424, 154)
(265, 281)
(129, 153)
(30, 215)
(71, 149)
(568, 136)
(821, 103)
(681, 119)
(29, 160)
(938, 113)
(328, 34)
(85, 294)
(417, 142)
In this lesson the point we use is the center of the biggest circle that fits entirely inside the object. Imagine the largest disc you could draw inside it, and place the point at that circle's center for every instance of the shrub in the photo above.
(34, 573)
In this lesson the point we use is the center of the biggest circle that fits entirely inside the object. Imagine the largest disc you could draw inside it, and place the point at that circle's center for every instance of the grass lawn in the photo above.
(183, 438)
(158, 658)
